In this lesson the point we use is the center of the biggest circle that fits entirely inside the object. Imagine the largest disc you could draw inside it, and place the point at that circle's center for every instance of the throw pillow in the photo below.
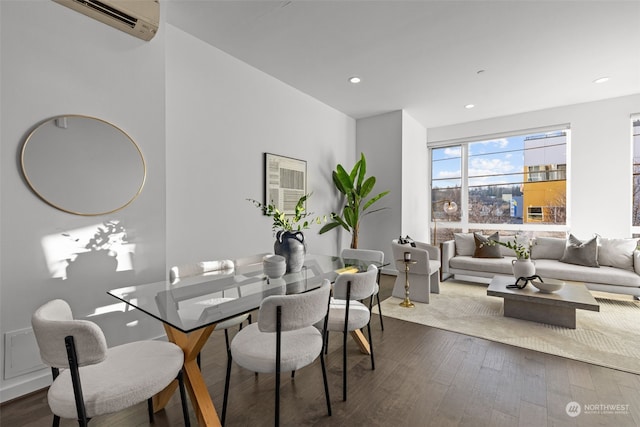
(483, 249)
(406, 241)
(581, 253)
(617, 252)
(548, 248)
(465, 245)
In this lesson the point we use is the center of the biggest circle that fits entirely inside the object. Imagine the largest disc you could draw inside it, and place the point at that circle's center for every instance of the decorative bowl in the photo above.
(548, 286)
(274, 266)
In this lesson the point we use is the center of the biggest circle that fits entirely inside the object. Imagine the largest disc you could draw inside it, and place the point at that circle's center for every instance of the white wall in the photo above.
(202, 120)
(396, 150)
(600, 158)
(222, 115)
(380, 139)
(415, 180)
(57, 61)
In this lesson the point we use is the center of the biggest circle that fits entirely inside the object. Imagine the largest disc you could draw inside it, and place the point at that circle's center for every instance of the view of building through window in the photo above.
(507, 183)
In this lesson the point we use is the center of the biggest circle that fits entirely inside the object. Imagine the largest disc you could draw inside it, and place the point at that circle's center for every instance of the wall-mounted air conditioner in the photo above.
(139, 18)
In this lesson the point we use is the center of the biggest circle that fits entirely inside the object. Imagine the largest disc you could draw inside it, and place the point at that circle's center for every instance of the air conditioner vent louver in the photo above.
(139, 18)
(109, 11)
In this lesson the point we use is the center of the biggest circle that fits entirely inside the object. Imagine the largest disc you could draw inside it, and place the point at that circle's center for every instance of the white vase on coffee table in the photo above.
(523, 267)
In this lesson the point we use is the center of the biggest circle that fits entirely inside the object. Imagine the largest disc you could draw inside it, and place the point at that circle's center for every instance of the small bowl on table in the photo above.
(548, 286)
(274, 266)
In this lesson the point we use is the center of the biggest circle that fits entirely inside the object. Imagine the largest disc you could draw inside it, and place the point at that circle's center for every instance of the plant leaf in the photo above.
(363, 172)
(328, 226)
(374, 199)
(350, 216)
(367, 186)
(355, 171)
(346, 182)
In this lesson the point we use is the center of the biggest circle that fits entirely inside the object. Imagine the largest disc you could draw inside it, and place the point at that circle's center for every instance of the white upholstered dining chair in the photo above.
(371, 256)
(204, 268)
(284, 339)
(424, 275)
(90, 379)
(347, 313)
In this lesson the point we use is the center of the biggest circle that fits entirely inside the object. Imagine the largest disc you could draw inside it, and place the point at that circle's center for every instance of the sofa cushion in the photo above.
(617, 252)
(465, 245)
(485, 265)
(605, 275)
(548, 248)
(581, 253)
(482, 247)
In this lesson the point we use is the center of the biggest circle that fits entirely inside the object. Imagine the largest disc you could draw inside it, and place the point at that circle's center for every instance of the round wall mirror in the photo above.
(83, 165)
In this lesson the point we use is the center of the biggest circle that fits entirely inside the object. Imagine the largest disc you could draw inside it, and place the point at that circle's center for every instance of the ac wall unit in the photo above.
(139, 18)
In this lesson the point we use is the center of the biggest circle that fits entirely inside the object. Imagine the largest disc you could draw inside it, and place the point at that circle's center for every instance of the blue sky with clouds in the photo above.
(490, 162)
(498, 161)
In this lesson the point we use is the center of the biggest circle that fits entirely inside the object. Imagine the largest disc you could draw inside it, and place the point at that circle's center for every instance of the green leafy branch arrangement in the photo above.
(297, 222)
(522, 251)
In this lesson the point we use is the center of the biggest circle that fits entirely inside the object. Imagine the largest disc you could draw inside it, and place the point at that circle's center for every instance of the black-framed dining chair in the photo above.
(347, 313)
(90, 379)
(284, 339)
(368, 255)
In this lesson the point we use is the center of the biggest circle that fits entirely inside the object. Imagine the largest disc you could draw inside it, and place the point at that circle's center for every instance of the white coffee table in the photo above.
(557, 308)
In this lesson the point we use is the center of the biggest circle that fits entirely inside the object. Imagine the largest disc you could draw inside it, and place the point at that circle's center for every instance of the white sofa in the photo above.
(618, 271)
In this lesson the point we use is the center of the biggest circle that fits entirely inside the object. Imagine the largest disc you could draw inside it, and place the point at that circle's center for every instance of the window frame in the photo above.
(464, 225)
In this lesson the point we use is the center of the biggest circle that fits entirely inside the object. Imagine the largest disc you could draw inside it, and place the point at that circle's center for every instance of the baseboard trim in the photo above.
(21, 389)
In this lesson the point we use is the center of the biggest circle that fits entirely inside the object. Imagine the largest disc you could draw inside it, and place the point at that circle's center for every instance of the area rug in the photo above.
(610, 337)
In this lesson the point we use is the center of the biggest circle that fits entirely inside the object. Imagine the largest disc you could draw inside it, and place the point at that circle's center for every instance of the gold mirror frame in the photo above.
(94, 168)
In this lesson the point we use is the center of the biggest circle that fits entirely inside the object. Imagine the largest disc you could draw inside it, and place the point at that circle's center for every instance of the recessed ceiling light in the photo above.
(469, 106)
(601, 80)
(354, 79)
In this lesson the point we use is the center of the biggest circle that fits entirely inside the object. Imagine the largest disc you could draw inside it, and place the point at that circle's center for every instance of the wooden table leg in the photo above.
(360, 339)
(191, 344)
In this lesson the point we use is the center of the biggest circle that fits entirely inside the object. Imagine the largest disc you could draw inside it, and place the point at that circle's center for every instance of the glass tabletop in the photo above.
(196, 302)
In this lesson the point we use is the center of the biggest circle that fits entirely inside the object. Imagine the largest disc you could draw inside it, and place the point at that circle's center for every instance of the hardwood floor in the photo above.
(423, 377)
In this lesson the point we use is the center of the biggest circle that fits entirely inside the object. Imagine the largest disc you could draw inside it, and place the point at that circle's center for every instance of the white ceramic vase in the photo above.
(274, 266)
(523, 268)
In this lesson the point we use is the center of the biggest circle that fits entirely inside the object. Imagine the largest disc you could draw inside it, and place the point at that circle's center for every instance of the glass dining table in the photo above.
(190, 308)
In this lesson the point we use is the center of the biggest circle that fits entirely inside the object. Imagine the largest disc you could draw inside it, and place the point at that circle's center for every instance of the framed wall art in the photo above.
(285, 181)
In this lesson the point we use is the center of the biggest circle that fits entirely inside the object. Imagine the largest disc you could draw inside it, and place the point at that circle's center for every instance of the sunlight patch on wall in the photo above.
(107, 241)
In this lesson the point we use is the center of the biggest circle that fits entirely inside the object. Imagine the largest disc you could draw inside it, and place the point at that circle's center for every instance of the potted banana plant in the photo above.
(355, 187)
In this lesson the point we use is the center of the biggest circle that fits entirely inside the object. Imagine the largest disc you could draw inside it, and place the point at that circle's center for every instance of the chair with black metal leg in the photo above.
(90, 379)
(284, 339)
(347, 314)
(368, 255)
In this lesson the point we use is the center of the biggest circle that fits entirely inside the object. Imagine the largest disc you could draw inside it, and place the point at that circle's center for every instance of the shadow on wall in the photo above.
(100, 249)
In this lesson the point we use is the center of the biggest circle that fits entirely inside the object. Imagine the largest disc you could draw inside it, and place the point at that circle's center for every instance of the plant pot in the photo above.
(292, 247)
(523, 268)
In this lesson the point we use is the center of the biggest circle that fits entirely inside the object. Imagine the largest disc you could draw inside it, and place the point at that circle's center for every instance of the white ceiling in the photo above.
(425, 56)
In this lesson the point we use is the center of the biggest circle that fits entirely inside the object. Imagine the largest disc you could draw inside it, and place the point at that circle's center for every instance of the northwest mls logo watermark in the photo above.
(574, 409)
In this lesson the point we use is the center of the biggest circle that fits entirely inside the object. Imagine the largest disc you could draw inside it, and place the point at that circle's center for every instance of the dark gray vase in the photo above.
(291, 245)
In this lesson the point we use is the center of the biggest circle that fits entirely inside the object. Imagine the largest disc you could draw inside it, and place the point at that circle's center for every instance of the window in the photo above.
(534, 213)
(446, 181)
(518, 181)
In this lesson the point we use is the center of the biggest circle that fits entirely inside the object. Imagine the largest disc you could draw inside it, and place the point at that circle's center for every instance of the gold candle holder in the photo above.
(407, 302)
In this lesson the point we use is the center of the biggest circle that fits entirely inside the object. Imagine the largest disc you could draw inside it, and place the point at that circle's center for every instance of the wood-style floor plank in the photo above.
(424, 377)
